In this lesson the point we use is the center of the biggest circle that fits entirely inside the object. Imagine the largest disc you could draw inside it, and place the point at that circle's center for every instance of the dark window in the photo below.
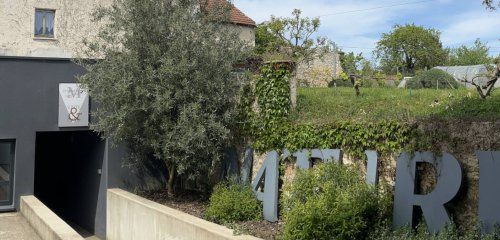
(44, 23)
(7, 152)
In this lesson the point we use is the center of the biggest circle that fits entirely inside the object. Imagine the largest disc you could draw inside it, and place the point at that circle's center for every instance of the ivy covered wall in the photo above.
(270, 128)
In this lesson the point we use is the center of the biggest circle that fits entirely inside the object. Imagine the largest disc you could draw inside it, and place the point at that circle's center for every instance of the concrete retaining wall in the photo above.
(46, 223)
(132, 217)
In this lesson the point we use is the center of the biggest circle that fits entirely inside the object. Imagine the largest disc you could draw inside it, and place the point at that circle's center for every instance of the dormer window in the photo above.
(44, 23)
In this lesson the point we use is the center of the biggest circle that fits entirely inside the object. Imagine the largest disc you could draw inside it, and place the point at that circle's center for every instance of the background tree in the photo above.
(492, 76)
(475, 55)
(291, 36)
(350, 62)
(410, 47)
(367, 68)
(265, 41)
(485, 90)
(490, 4)
(165, 86)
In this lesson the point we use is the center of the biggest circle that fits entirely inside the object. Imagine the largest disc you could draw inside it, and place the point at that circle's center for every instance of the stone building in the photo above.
(54, 29)
(320, 70)
(63, 24)
(241, 22)
(46, 146)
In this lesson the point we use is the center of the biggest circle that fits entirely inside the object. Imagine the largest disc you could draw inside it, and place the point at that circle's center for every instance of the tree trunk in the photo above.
(410, 65)
(485, 91)
(170, 183)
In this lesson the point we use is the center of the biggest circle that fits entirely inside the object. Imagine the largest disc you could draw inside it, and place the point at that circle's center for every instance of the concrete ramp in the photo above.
(45, 222)
(13, 226)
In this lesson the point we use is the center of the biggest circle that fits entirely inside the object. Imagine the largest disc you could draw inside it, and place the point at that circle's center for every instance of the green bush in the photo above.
(380, 78)
(232, 202)
(367, 82)
(340, 83)
(433, 78)
(331, 201)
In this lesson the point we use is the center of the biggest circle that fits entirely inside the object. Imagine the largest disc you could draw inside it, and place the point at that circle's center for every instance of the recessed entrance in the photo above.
(68, 175)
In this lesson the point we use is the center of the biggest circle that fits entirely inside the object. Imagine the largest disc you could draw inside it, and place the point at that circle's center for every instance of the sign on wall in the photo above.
(433, 205)
(73, 105)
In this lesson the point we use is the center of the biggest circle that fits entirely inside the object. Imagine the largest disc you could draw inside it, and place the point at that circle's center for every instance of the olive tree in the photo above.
(163, 81)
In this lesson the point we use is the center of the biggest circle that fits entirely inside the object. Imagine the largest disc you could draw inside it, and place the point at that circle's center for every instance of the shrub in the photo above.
(433, 78)
(340, 83)
(232, 202)
(331, 201)
(380, 78)
(367, 82)
(399, 76)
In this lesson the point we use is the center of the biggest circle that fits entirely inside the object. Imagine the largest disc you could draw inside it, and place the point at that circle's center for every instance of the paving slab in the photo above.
(13, 226)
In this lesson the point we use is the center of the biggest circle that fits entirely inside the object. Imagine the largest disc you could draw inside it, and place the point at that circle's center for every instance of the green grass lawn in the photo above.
(326, 105)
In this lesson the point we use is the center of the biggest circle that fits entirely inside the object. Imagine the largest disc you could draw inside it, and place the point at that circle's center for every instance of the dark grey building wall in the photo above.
(29, 104)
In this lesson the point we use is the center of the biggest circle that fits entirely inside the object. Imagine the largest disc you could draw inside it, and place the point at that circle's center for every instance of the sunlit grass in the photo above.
(325, 105)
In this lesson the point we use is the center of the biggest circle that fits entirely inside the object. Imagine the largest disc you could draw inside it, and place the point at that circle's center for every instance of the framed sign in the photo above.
(73, 105)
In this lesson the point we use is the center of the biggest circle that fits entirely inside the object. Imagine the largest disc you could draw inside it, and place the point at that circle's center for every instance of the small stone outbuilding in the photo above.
(321, 70)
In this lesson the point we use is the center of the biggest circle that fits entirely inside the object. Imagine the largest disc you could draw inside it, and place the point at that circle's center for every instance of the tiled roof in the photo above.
(237, 16)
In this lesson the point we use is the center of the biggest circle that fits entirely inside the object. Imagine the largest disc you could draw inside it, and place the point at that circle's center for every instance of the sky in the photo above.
(356, 25)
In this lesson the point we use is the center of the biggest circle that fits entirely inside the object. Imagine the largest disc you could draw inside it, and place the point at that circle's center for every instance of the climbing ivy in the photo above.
(271, 129)
(272, 91)
(353, 138)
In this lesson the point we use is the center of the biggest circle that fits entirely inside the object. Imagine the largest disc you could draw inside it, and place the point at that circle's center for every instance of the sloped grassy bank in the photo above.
(330, 105)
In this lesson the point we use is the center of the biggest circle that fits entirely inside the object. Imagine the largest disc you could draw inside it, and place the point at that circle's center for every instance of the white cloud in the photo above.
(467, 27)
(361, 30)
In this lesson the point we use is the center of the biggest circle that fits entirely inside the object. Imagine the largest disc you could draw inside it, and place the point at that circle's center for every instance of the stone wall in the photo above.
(73, 23)
(459, 138)
(319, 71)
(246, 33)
